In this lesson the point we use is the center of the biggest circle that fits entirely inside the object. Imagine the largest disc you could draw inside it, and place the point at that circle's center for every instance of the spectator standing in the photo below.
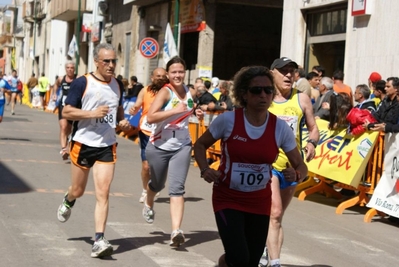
(206, 100)
(301, 83)
(314, 81)
(379, 92)
(43, 87)
(224, 102)
(241, 207)
(362, 97)
(373, 79)
(339, 86)
(144, 101)
(64, 83)
(326, 90)
(320, 70)
(388, 111)
(94, 103)
(134, 87)
(293, 107)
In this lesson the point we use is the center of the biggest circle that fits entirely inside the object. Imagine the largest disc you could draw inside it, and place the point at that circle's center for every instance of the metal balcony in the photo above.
(67, 10)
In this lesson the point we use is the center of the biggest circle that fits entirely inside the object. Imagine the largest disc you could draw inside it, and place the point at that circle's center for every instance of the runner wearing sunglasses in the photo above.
(251, 137)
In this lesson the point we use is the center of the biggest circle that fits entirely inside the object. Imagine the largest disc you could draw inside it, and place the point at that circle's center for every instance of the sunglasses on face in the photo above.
(257, 90)
(107, 61)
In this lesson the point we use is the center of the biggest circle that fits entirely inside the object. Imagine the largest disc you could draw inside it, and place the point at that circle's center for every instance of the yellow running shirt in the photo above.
(291, 112)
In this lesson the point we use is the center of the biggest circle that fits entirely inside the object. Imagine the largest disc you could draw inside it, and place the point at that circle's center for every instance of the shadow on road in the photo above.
(186, 199)
(126, 244)
(10, 183)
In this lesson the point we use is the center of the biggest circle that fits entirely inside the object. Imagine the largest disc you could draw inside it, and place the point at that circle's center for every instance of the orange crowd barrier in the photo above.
(366, 187)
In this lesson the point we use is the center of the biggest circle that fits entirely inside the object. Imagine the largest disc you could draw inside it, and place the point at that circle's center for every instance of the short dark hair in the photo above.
(207, 84)
(311, 75)
(175, 60)
(319, 69)
(338, 75)
(380, 86)
(133, 78)
(395, 82)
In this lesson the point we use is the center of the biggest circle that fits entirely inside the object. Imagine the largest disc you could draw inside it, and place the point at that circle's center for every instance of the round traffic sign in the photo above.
(149, 47)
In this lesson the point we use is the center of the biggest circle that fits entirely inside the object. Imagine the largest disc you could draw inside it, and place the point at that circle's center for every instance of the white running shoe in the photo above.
(264, 260)
(64, 210)
(176, 238)
(101, 248)
(148, 214)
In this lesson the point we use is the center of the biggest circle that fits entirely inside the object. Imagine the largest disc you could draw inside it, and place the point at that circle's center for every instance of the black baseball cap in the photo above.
(281, 62)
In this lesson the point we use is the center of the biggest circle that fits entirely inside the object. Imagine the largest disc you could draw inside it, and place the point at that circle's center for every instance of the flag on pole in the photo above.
(73, 47)
(169, 46)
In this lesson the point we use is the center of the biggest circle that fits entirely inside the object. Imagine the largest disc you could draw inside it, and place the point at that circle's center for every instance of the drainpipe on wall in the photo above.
(78, 39)
(34, 37)
(176, 26)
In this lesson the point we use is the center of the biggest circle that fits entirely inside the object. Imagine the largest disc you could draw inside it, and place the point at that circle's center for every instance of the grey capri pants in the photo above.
(172, 164)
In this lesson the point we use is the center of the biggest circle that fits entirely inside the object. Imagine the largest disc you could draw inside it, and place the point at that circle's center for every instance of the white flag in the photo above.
(169, 46)
(73, 47)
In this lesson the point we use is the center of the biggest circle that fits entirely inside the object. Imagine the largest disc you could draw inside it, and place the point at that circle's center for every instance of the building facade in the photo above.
(215, 37)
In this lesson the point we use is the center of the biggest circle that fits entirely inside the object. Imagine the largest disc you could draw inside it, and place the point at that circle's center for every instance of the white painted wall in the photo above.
(57, 51)
(370, 40)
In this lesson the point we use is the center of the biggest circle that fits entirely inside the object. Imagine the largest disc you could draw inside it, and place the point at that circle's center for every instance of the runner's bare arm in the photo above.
(155, 114)
(139, 102)
(72, 113)
(310, 124)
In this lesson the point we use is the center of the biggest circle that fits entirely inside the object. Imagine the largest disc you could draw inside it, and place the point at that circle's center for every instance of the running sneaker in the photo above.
(264, 260)
(176, 238)
(148, 214)
(64, 210)
(101, 248)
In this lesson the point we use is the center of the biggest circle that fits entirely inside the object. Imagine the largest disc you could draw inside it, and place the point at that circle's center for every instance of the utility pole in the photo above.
(176, 26)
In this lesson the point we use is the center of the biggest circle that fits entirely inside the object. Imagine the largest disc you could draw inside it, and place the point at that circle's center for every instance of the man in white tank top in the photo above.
(94, 104)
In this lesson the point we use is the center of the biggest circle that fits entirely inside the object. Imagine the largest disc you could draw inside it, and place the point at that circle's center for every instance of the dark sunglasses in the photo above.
(107, 61)
(256, 90)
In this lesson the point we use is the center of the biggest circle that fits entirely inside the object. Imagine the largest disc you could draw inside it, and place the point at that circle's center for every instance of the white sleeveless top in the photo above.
(99, 132)
(172, 133)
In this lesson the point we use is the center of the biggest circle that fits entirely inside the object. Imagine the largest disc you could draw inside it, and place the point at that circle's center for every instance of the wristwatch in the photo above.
(313, 142)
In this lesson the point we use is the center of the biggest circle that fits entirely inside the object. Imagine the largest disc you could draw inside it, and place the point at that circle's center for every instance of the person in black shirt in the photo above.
(134, 88)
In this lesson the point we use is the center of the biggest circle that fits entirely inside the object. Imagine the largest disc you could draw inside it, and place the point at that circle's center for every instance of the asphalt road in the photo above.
(33, 180)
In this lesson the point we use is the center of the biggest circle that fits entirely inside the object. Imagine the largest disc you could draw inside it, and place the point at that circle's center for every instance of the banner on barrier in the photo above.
(386, 195)
(339, 156)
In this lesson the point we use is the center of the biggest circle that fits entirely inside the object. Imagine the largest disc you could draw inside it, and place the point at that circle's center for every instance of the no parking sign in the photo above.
(149, 47)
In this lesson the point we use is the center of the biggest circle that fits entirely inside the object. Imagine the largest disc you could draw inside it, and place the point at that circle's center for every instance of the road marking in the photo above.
(25, 144)
(31, 161)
